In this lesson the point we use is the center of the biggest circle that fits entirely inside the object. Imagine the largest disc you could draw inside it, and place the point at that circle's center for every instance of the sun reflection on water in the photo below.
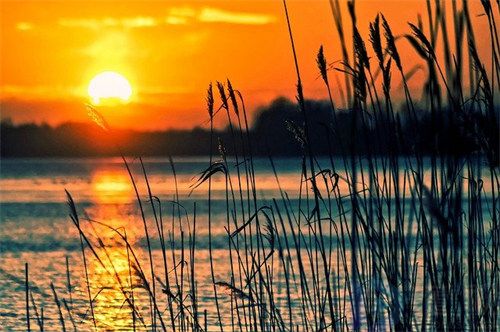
(116, 285)
(111, 186)
(115, 282)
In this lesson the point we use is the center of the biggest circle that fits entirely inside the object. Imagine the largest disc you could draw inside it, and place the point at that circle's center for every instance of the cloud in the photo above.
(175, 16)
(175, 20)
(223, 16)
(139, 22)
(24, 26)
(107, 22)
(181, 15)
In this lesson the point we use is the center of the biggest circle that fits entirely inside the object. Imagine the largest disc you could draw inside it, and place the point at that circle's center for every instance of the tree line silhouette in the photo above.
(277, 130)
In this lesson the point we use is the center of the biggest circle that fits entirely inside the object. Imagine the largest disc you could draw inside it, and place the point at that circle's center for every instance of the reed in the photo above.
(58, 304)
(27, 292)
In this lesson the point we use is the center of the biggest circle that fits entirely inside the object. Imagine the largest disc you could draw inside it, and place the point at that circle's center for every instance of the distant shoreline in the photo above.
(275, 131)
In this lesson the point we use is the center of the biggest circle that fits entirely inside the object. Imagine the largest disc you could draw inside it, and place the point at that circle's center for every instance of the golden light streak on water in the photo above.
(112, 187)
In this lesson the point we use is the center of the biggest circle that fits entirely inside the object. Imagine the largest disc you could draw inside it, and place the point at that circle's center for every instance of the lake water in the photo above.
(35, 228)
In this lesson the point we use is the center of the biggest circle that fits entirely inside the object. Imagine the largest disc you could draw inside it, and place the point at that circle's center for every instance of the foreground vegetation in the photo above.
(394, 241)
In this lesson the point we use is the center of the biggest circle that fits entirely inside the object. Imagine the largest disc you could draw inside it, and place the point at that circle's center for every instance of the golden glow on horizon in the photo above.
(109, 85)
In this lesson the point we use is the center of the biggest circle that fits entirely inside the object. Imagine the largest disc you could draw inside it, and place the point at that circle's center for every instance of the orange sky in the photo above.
(170, 51)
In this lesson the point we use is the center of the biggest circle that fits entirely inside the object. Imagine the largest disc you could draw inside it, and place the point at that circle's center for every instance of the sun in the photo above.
(109, 85)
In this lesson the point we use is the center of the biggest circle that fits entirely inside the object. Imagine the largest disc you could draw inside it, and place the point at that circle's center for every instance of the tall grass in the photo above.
(373, 242)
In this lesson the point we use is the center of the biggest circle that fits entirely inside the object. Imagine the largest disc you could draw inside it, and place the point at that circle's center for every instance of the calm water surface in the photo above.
(35, 228)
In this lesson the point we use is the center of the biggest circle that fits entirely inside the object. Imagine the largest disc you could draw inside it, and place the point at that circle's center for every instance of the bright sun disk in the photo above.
(109, 85)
